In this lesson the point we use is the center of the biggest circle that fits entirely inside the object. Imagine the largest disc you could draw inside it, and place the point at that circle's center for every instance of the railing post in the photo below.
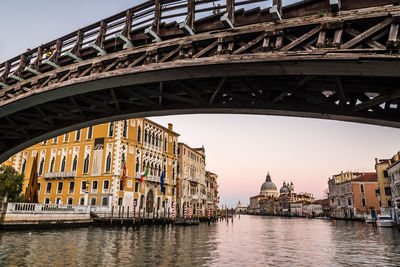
(102, 34)
(112, 214)
(230, 10)
(190, 17)
(128, 24)
(157, 16)
(122, 218)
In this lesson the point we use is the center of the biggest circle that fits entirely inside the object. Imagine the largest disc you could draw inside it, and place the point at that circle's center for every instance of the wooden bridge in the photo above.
(331, 59)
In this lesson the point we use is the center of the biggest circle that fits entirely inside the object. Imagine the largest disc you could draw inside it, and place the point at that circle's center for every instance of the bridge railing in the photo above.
(145, 23)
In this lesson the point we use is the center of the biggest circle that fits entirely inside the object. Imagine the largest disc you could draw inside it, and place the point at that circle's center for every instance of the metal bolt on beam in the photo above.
(149, 31)
(75, 57)
(101, 51)
(32, 71)
(52, 64)
(186, 28)
(224, 19)
(335, 5)
(15, 77)
(128, 44)
(274, 11)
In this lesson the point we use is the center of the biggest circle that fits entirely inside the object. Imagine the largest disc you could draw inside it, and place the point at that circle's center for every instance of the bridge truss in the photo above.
(316, 58)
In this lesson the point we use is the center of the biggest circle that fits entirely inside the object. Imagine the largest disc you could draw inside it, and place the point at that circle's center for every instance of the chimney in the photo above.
(170, 126)
(376, 160)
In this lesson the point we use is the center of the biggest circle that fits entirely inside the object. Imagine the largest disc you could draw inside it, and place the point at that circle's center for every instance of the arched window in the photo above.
(139, 133)
(93, 201)
(70, 201)
(41, 166)
(120, 201)
(108, 162)
(86, 164)
(165, 144)
(104, 201)
(137, 165)
(23, 166)
(125, 129)
(52, 164)
(111, 129)
(173, 173)
(174, 147)
(75, 163)
(145, 136)
(63, 164)
(152, 139)
(156, 140)
(151, 169)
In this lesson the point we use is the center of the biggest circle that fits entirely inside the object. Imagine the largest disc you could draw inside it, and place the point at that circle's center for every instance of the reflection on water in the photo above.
(248, 241)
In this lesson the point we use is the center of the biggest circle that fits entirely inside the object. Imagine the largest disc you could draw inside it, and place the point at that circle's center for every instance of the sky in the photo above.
(241, 149)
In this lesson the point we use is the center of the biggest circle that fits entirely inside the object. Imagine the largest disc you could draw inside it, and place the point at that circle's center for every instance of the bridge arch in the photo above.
(340, 65)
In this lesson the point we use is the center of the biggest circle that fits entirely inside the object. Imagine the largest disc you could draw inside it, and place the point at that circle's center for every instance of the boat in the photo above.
(385, 221)
(187, 222)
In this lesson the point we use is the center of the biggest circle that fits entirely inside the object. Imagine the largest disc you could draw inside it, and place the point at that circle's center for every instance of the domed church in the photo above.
(286, 188)
(268, 188)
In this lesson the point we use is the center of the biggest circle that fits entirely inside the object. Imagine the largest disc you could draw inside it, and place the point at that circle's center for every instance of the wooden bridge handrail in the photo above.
(147, 14)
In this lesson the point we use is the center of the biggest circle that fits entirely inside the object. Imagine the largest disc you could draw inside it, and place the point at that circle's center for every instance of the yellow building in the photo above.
(384, 195)
(97, 155)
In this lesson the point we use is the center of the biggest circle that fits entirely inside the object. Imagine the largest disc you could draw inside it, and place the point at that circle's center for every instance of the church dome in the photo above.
(268, 188)
(284, 189)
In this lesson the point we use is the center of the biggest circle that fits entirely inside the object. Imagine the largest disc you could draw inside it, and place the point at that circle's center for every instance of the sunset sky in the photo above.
(239, 148)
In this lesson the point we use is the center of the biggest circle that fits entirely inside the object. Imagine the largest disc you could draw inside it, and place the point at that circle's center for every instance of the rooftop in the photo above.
(367, 177)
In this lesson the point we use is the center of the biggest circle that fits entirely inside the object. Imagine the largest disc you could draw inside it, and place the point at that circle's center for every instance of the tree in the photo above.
(10, 183)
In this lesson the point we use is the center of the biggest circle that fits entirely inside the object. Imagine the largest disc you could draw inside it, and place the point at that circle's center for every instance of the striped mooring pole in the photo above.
(173, 211)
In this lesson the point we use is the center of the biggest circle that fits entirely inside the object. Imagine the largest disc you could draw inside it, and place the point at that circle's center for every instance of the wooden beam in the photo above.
(340, 90)
(370, 42)
(217, 90)
(249, 44)
(102, 35)
(301, 39)
(377, 101)
(190, 17)
(367, 33)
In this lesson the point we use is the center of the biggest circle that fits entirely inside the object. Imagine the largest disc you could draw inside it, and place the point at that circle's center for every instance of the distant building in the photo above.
(355, 198)
(268, 188)
(394, 176)
(384, 193)
(254, 207)
(192, 187)
(240, 208)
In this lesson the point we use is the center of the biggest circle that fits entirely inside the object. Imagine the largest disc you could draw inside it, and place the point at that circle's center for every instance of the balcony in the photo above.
(60, 175)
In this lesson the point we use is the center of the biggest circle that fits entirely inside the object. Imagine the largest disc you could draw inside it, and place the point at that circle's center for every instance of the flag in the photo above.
(144, 174)
(162, 182)
(31, 194)
(123, 177)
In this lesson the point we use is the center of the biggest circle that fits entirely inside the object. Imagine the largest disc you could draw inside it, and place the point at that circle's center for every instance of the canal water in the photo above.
(248, 241)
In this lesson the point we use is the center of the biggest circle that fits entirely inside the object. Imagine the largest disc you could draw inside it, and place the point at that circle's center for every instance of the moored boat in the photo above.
(385, 221)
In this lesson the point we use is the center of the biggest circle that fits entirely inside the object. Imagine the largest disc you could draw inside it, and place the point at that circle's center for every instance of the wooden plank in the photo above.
(128, 24)
(102, 34)
(377, 101)
(367, 33)
(393, 33)
(230, 10)
(170, 54)
(301, 39)
(249, 44)
(206, 50)
(190, 17)
(370, 42)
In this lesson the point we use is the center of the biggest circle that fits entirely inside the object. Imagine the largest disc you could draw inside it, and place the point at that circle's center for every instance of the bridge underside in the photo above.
(253, 88)
(341, 66)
